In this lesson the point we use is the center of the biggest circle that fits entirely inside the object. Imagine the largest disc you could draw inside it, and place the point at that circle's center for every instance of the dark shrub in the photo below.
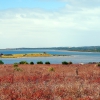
(64, 63)
(47, 62)
(94, 63)
(31, 62)
(39, 62)
(70, 62)
(23, 62)
(15, 65)
(98, 64)
(1, 62)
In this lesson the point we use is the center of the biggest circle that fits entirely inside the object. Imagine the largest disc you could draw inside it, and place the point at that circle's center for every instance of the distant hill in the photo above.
(82, 49)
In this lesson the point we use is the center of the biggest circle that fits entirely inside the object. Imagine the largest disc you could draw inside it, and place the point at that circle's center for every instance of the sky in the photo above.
(49, 23)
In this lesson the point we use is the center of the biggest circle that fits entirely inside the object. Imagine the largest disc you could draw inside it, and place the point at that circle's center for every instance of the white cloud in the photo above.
(0, 33)
(83, 3)
(39, 28)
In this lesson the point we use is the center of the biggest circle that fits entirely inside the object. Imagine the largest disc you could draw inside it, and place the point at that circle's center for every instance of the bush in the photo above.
(1, 62)
(15, 65)
(31, 62)
(64, 63)
(17, 69)
(92, 63)
(70, 62)
(23, 62)
(47, 62)
(51, 69)
(98, 64)
(39, 62)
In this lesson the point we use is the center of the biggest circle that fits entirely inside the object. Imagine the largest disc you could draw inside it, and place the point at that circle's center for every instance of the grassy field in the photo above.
(50, 82)
(26, 55)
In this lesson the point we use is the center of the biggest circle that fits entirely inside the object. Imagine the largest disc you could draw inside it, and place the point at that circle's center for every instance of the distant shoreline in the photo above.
(65, 48)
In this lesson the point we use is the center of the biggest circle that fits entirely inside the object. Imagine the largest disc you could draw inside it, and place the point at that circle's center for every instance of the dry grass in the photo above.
(26, 55)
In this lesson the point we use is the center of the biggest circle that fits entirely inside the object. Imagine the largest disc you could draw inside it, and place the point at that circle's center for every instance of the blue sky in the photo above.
(49, 23)
(41, 4)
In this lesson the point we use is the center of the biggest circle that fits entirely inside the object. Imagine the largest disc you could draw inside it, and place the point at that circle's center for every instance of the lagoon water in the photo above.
(74, 56)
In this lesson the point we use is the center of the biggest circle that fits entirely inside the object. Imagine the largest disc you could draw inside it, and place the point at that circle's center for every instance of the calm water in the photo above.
(75, 57)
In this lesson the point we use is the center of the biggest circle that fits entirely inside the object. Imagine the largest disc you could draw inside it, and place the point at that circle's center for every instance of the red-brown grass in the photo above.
(38, 82)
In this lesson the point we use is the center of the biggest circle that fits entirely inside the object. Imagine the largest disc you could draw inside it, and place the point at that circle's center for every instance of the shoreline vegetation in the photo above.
(28, 55)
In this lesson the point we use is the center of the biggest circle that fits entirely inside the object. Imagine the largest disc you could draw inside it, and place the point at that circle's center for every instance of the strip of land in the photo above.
(80, 49)
(28, 55)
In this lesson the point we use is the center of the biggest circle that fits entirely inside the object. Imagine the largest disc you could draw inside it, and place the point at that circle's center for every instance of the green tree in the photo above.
(1, 62)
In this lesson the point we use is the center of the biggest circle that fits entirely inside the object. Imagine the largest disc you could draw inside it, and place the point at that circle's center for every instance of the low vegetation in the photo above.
(23, 62)
(47, 62)
(70, 62)
(51, 69)
(25, 55)
(53, 82)
(98, 64)
(1, 62)
(64, 63)
(39, 62)
(16, 67)
(32, 63)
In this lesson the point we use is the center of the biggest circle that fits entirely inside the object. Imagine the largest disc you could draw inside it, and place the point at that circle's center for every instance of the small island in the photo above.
(28, 55)
(25, 55)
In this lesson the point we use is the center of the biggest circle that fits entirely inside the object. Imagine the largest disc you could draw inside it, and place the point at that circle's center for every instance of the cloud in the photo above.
(0, 33)
(26, 27)
(83, 3)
